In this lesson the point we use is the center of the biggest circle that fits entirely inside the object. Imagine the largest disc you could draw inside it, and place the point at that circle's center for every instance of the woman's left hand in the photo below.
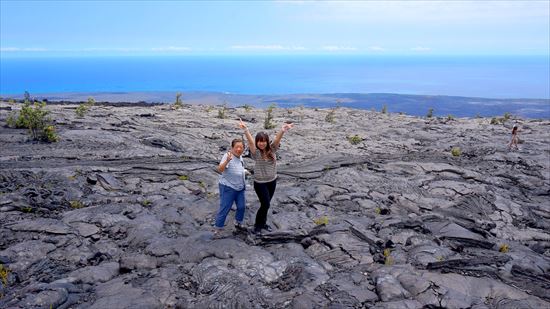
(287, 126)
(242, 125)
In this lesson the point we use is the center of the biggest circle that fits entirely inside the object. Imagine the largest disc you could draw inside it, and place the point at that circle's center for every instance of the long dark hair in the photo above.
(267, 152)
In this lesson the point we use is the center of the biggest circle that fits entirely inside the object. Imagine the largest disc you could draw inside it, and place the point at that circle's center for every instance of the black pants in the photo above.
(265, 192)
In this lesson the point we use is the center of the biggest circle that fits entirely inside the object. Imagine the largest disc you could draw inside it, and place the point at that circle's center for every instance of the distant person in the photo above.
(232, 186)
(265, 170)
(514, 141)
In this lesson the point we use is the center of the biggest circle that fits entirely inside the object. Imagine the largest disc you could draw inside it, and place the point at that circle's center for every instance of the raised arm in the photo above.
(249, 138)
(279, 136)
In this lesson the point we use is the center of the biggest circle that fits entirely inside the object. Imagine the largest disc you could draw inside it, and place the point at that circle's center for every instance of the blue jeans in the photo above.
(229, 195)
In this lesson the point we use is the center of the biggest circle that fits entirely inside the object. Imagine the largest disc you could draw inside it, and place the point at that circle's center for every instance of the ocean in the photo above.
(470, 76)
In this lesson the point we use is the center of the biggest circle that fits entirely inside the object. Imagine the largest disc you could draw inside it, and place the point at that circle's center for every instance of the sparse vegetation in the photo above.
(179, 103)
(430, 113)
(183, 177)
(330, 116)
(384, 109)
(388, 261)
(247, 107)
(34, 118)
(83, 108)
(146, 203)
(456, 152)
(507, 116)
(221, 112)
(450, 117)
(504, 248)
(75, 204)
(4, 274)
(354, 140)
(268, 122)
(495, 120)
(323, 220)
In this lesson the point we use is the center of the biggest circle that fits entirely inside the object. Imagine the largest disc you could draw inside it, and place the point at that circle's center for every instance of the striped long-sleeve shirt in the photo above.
(265, 170)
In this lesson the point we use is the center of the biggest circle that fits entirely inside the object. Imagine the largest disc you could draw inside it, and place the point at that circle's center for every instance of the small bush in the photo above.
(323, 220)
(268, 122)
(76, 204)
(183, 177)
(430, 113)
(504, 248)
(384, 109)
(354, 140)
(221, 112)
(83, 108)
(178, 104)
(450, 117)
(455, 151)
(146, 203)
(507, 116)
(330, 116)
(388, 261)
(4, 273)
(247, 107)
(495, 120)
(35, 119)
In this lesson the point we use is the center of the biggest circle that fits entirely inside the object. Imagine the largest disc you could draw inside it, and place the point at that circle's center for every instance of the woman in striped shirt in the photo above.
(265, 170)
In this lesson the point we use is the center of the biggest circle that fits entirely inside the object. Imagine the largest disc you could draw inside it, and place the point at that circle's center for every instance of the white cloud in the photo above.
(338, 48)
(18, 49)
(171, 49)
(377, 48)
(266, 47)
(421, 49)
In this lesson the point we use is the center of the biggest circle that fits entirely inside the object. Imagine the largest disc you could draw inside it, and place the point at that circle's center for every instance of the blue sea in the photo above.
(471, 76)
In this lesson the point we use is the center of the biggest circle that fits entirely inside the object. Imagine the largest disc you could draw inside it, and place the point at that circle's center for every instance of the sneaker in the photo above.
(239, 226)
(267, 228)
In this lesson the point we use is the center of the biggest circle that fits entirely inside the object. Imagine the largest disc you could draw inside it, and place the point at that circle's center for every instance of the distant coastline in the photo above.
(416, 105)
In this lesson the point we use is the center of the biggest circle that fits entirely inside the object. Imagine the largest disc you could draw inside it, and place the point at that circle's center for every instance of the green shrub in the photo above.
(456, 151)
(354, 140)
(35, 119)
(183, 177)
(146, 203)
(323, 220)
(507, 116)
(504, 248)
(221, 112)
(384, 109)
(450, 117)
(430, 113)
(4, 273)
(496, 120)
(178, 104)
(330, 116)
(50, 135)
(76, 204)
(83, 108)
(388, 260)
(268, 122)
(247, 107)
(11, 121)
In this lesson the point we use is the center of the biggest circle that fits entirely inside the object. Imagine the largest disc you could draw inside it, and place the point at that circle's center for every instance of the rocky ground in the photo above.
(119, 213)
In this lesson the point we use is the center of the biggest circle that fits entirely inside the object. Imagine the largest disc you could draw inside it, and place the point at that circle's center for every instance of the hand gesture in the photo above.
(287, 126)
(242, 125)
(229, 156)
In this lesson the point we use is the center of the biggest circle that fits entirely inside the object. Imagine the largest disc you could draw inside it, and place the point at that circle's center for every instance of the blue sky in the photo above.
(88, 28)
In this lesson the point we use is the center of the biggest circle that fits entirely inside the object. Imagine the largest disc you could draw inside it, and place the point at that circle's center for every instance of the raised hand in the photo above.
(242, 125)
(287, 126)
(229, 156)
